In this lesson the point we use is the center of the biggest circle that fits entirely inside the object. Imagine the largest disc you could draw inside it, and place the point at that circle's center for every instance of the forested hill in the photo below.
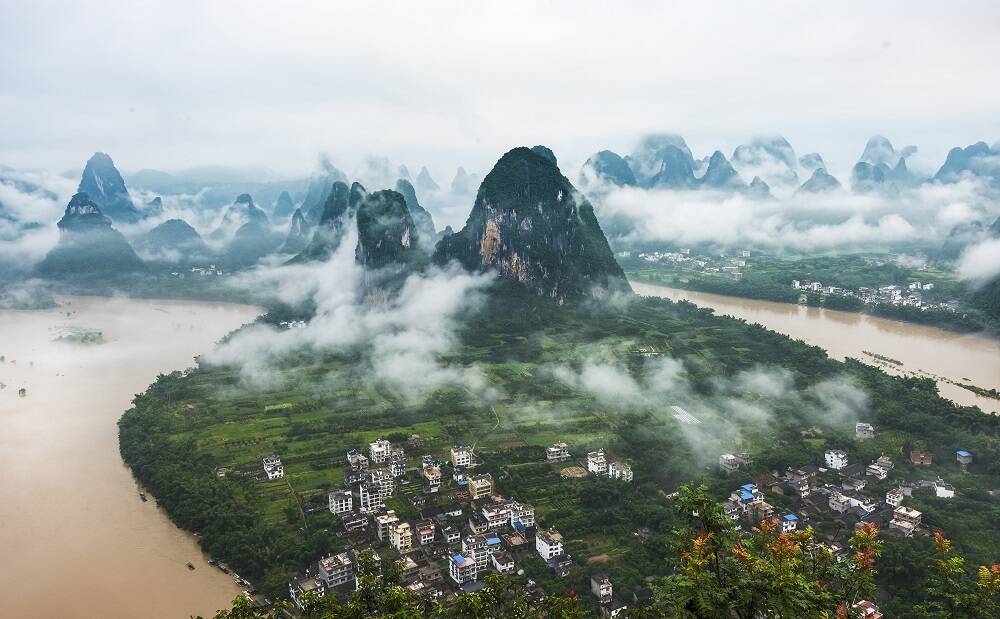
(534, 357)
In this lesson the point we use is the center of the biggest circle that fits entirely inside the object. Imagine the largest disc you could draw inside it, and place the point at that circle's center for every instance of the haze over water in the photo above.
(937, 353)
(76, 539)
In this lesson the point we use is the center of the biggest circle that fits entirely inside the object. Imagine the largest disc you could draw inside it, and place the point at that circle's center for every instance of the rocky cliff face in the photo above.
(283, 207)
(530, 225)
(387, 235)
(105, 186)
(337, 214)
(88, 245)
(298, 234)
(421, 218)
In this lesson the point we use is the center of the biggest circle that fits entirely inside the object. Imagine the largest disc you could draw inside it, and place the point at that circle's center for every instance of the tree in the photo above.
(951, 594)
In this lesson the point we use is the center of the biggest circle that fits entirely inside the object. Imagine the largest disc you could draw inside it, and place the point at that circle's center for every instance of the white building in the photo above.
(597, 463)
(727, 463)
(548, 544)
(619, 470)
(370, 497)
(876, 471)
(905, 520)
(273, 468)
(385, 523)
(379, 451)
(864, 431)
(943, 490)
(461, 456)
(894, 498)
(557, 453)
(425, 532)
(836, 459)
(522, 516)
(341, 502)
(502, 562)
(462, 568)
(600, 585)
(336, 570)
(789, 522)
(357, 460)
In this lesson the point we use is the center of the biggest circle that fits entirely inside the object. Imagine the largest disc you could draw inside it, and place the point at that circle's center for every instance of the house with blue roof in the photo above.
(789, 522)
(964, 457)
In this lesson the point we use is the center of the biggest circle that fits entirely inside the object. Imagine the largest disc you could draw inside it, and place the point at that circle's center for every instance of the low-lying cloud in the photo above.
(400, 337)
(825, 221)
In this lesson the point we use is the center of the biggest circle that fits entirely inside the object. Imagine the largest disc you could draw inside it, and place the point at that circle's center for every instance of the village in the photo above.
(466, 529)
(908, 296)
(682, 258)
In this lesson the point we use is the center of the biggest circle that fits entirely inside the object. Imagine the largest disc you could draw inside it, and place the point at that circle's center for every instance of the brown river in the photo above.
(924, 351)
(76, 539)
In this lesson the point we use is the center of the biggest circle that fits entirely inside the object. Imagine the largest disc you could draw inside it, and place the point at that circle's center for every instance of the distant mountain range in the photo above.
(664, 161)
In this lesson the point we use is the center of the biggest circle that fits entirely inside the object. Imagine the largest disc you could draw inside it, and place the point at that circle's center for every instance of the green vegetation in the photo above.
(82, 336)
(768, 278)
(187, 425)
(719, 573)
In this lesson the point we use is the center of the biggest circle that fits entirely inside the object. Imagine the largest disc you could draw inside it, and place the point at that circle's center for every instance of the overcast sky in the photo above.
(173, 84)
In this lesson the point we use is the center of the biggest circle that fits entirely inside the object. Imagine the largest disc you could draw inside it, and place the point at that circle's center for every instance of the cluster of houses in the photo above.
(605, 464)
(198, 271)
(273, 468)
(835, 489)
(909, 296)
(465, 530)
(722, 264)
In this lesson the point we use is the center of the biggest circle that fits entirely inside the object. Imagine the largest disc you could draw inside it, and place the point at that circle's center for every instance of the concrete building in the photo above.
(401, 537)
(905, 520)
(597, 463)
(273, 467)
(619, 470)
(921, 458)
(894, 498)
(462, 568)
(864, 431)
(789, 522)
(432, 477)
(378, 451)
(357, 460)
(549, 544)
(480, 486)
(425, 532)
(522, 516)
(461, 456)
(341, 502)
(964, 458)
(557, 453)
(502, 562)
(336, 570)
(385, 523)
(600, 585)
(835, 459)
(370, 497)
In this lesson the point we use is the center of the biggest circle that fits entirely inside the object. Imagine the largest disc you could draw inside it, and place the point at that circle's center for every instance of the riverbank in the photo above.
(71, 508)
(947, 357)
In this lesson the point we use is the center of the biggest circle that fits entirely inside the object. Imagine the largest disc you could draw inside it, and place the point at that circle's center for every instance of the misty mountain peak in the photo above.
(820, 181)
(531, 226)
(721, 174)
(425, 183)
(608, 167)
(106, 187)
(546, 152)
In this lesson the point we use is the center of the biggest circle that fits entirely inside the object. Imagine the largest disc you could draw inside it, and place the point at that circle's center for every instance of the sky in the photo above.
(169, 85)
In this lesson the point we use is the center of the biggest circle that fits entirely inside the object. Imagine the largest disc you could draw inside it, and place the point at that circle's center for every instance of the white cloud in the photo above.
(981, 261)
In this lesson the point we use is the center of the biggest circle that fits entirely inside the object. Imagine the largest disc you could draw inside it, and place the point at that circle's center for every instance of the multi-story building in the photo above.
(548, 544)
(876, 471)
(300, 587)
(905, 520)
(432, 477)
(462, 568)
(522, 516)
(451, 535)
(478, 546)
(835, 459)
(425, 532)
(964, 457)
(600, 585)
(864, 431)
(385, 523)
(370, 496)
(497, 515)
(894, 498)
(386, 482)
(461, 456)
(839, 502)
(397, 462)
(597, 463)
(341, 502)
(619, 470)
(789, 522)
(357, 460)
(502, 562)
(728, 464)
(273, 467)
(379, 451)
(401, 537)
(336, 570)
(557, 453)
(480, 486)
